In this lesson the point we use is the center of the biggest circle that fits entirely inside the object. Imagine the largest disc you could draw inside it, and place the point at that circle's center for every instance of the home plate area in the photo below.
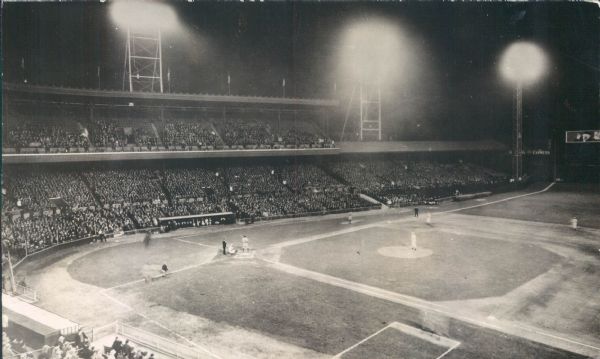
(398, 340)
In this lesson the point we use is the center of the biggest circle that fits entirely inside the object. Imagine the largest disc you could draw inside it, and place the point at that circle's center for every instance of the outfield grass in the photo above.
(115, 265)
(461, 267)
(306, 313)
(558, 205)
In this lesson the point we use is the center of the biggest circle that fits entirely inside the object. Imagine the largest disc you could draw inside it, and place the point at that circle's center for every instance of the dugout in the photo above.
(39, 326)
(196, 220)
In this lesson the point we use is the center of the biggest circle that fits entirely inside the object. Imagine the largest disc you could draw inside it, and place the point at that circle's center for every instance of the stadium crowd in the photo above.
(125, 186)
(246, 133)
(301, 177)
(34, 189)
(105, 132)
(44, 207)
(180, 132)
(183, 183)
(108, 131)
(31, 233)
(78, 346)
(400, 182)
(32, 135)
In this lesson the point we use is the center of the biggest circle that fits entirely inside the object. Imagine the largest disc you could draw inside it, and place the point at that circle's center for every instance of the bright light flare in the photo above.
(523, 62)
(143, 15)
(372, 51)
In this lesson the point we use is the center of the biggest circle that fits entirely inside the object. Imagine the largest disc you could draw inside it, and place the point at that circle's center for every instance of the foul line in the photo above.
(194, 243)
(167, 275)
(449, 350)
(451, 344)
(321, 236)
(500, 200)
(339, 355)
(161, 325)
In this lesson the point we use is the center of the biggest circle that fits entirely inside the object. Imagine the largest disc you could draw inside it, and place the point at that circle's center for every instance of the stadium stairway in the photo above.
(374, 201)
(213, 128)
(91, 189)
(163, 187)
(338, 178)
(158, 139)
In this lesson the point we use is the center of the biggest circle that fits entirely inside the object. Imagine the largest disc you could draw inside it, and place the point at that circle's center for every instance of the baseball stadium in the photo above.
(190, 180)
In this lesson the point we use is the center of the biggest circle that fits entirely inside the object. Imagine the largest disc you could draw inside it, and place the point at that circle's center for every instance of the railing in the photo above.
(33, 354)
(75, 241)
(31, 252)
(159, 148)
(159, 344)
(26, 292)
(103, 331)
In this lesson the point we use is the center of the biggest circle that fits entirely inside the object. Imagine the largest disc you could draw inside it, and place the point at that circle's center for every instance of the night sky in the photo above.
(450, 90)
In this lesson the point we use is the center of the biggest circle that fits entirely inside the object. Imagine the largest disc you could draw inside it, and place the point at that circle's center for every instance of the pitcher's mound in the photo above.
(404, 252)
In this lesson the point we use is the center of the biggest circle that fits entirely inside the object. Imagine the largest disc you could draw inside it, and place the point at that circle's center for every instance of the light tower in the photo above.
(144, 23)
(370, 111)
(372, 57)
(522, 63)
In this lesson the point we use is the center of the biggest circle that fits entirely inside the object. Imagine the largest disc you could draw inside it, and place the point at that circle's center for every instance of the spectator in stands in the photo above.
(117, 345)
(126, 348)
(81, 339)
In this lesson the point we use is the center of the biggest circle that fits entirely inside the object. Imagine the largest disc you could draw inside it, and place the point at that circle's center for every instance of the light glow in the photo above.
(372, 51)
(143, 15)
(523, 63)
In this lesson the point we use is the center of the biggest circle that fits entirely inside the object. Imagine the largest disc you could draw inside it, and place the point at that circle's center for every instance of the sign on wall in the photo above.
(582, 136)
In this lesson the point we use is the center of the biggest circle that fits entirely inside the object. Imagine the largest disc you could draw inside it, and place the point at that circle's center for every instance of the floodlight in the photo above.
(143, 15)
(372, 50)
(523, 62)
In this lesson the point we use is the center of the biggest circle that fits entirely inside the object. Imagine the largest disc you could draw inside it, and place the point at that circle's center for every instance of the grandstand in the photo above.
(305, 180)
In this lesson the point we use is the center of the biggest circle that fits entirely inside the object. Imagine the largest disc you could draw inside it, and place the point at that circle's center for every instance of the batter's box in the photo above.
(399, 340)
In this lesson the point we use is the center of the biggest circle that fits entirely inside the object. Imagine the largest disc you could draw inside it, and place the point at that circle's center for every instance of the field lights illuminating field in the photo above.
(143, 15)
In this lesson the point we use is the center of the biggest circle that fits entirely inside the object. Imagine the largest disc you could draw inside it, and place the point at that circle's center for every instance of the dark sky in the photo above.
(452, 86)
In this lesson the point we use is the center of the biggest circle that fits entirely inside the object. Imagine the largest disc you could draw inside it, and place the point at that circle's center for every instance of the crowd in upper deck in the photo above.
(28, 131)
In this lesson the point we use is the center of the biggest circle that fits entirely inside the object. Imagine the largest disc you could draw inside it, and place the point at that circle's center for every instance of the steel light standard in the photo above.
(522, 63)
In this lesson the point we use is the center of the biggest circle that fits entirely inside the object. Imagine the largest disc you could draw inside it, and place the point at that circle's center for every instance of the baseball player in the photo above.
(245, 247)
(413, 241)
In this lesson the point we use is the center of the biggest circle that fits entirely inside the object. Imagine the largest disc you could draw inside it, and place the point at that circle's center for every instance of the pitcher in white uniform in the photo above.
(574, 223)
(245, 247)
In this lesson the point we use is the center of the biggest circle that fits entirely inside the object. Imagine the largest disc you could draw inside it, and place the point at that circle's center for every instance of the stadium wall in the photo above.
(344, 148)
(161, 155)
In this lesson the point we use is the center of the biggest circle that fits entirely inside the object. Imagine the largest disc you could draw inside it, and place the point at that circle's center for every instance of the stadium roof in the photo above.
(186, 97)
